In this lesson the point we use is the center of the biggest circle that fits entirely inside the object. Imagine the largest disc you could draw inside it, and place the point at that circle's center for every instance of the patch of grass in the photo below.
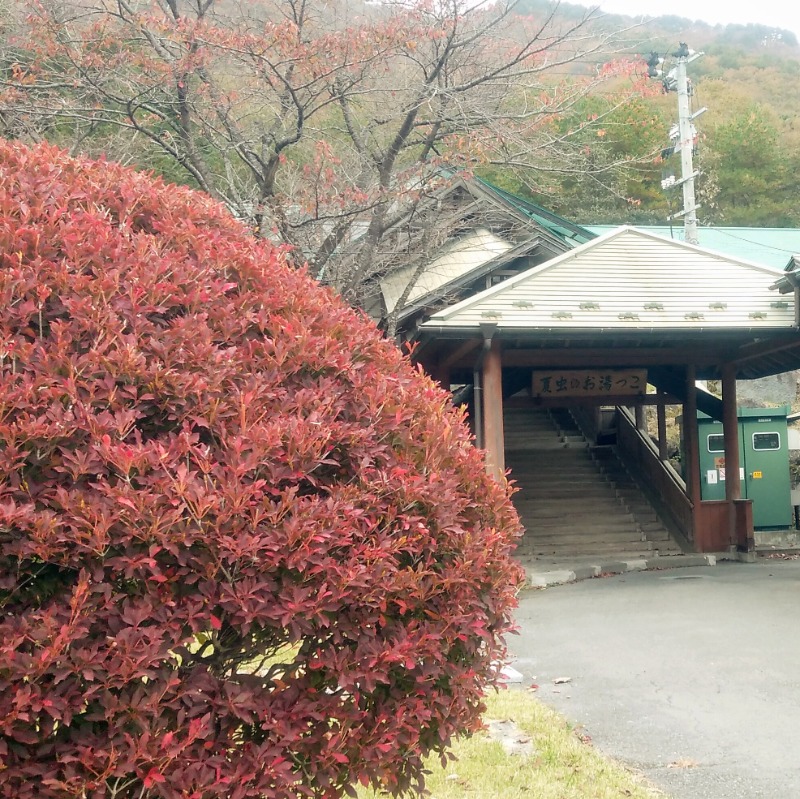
(561, 766)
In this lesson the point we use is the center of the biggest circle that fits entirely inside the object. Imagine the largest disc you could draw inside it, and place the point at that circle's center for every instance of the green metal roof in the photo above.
(768, 246)
(567, 231)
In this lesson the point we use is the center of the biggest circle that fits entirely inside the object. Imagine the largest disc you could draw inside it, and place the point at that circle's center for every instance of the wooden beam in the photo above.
(760, 349)
(730, 431)
(691, 453)
(612, 357)
(661, 409)
(705, 356)
(493, 437)
(593, 402)
(460, 352)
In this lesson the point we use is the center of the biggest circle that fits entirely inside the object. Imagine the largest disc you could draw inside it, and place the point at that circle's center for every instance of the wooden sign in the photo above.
(590, 383)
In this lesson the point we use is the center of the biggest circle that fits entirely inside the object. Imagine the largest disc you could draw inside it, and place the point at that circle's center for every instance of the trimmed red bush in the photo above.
(246, 550)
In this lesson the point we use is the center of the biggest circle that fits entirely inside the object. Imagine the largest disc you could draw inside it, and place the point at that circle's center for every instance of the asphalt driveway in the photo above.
(691, 676)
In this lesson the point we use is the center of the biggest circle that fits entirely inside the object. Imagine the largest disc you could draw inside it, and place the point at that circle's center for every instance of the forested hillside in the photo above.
(333, 126)
(748, 148)
(328, 125)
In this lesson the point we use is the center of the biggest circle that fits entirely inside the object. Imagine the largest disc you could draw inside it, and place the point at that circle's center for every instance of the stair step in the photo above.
(558, 472)
(559, 476)
(534, 425)
(608, 516)
(583, 513)
(653, 528)
(593, 539)
(572, 452)
(562, 472)
(541, 445)
(540, 486)
(560, 454)
(548, 528)
(579, 551)
(583, 524)
(566, 500)
(603, 519)
(647, 519)
(620, 543)
(534, 480)
(539, 467)
(544, 488)
(575, 499)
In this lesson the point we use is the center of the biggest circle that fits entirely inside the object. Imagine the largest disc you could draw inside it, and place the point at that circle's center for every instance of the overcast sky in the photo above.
(780, 13)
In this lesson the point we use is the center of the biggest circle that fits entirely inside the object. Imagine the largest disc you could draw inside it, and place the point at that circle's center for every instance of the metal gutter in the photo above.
(533, 334)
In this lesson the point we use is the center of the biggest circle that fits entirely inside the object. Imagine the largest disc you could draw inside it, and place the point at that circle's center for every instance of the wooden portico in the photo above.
(595, 326)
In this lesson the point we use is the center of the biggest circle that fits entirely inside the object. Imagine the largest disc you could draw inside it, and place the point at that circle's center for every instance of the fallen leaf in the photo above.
(684, 762)
(561, 680)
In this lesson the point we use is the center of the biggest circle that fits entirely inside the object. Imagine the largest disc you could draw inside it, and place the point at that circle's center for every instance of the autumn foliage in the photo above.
(314, 120)
(246, 550)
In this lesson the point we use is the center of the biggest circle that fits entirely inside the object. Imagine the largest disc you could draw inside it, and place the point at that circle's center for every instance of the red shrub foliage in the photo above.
(246, 550)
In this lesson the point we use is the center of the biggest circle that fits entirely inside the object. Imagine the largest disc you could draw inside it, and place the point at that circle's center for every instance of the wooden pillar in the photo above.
(730, 432)
(493, 437)
(691, 452)
(661, 410)
(640, 412)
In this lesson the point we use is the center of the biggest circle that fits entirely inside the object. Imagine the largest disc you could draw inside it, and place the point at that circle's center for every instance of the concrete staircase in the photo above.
(576, 501)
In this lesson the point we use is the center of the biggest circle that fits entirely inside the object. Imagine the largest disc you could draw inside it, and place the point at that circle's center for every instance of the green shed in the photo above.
(763, 459)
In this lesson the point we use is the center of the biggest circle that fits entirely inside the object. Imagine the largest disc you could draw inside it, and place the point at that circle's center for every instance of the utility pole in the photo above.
(677, 80)
(687, 135)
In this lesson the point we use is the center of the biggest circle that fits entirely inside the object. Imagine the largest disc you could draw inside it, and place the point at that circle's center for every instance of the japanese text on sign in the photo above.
(590, 383)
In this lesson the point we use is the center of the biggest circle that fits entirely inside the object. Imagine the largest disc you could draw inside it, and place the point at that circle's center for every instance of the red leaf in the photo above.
(153, 776)
(215, 443)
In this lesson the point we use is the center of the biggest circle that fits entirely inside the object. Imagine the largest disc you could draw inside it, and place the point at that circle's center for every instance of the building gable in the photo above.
(629, 279)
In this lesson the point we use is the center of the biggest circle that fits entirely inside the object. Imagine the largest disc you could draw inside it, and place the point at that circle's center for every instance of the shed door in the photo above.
(766, 470)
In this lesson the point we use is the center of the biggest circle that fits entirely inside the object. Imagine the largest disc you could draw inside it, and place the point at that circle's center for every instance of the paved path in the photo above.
(691, 676)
